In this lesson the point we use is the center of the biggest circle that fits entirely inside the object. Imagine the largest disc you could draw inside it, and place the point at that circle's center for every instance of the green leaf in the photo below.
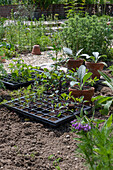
(105, 76)
(102, 100)
(109, 81)
(96, 98)
(108, 123)
(86, 77)
(79, 52)
(106, 107)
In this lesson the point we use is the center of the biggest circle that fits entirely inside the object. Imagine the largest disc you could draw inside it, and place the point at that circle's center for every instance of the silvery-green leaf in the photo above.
(104, 63)
(109, 84)
(72, 83)
(67, 50)
(96, 55)
(81, 72)
(86, 55)
(79, 52)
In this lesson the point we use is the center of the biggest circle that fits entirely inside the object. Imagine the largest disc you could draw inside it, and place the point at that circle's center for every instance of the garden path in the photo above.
(34, 60)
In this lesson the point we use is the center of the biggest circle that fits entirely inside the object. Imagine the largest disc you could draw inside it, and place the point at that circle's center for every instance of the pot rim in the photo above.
(78, 59)
(92, 63)
(88, 88)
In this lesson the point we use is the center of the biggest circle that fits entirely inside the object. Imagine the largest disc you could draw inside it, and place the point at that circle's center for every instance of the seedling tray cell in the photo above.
(43, 115)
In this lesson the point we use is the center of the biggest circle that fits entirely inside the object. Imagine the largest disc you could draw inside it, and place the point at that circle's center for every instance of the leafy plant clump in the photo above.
(90, 32)
(95, 58)
(23, 35)
(96, 144)
(20, 72)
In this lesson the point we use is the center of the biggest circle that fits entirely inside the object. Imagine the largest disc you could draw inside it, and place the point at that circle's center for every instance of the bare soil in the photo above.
(29, 145)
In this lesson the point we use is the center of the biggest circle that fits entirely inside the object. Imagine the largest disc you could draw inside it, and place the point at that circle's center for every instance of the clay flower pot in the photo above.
(87, 92)
(36, 50)
(2, 59)
(94, 67)
(73, 64)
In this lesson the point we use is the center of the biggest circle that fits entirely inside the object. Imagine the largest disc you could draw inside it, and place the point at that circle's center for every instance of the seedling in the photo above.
(70, 54)
(95, 58)
(82, 77)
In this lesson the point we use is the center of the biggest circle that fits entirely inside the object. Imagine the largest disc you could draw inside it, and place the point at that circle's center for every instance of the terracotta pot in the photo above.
(2, 59)
(88, 92)
(36, 50)
(94, 67)
(73, 64)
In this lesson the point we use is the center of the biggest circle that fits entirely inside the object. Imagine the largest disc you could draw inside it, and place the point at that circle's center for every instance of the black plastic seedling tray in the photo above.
(43, 115)
(16, 85)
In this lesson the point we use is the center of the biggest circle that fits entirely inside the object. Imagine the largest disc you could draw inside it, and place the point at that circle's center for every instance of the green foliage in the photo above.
(24, 36)
(104, 102)
(109, 81)
(21, 71)
(111, 69)
(74, 7)
(55, 78)
(56, 161)
(2, 73)
(96, 145)
(2, 31)
(8, 49)
(90, 33)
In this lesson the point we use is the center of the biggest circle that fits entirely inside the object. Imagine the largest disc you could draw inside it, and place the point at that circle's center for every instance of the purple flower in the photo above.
(79, 126)
(85, 129)
(74, 125)
(73, 121)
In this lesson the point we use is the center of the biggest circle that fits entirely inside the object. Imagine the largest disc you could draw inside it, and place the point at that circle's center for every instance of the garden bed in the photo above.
(27, 144)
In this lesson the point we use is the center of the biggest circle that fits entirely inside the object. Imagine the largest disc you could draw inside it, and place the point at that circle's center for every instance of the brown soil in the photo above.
(28, 145)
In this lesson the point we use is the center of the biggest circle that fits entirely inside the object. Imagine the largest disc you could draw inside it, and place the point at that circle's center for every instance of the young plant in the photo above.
(82, 77)
(57, 46)
(56, 161)
(68, 51)
(21, 72)
(95, 58)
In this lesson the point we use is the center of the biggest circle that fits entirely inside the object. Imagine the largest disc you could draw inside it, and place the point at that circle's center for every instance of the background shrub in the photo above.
(90, 33)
